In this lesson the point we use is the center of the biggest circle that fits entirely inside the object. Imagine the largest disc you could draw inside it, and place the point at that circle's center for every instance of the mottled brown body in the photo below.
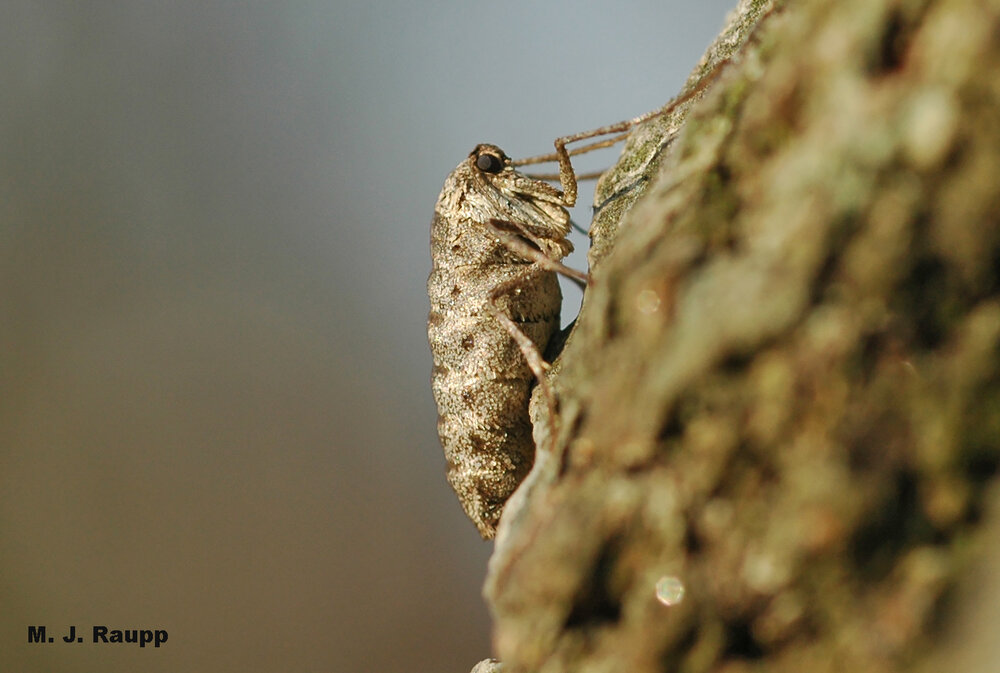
(481, 381)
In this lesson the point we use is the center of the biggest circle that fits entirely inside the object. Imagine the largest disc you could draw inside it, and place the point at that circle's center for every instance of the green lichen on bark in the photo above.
(782, 387)
(620, 187)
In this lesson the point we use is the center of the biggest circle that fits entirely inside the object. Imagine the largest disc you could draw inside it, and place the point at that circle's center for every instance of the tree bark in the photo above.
(781, 392)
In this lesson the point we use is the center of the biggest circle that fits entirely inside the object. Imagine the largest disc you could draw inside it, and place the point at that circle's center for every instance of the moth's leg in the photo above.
(567, 178)
(517, 245)
(593, 175)
(529, 350)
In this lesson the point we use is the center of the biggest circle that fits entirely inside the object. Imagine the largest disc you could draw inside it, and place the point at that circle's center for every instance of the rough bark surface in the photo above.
(782, 387)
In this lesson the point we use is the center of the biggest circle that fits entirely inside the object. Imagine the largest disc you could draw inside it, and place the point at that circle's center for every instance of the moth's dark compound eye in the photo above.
(489, 163)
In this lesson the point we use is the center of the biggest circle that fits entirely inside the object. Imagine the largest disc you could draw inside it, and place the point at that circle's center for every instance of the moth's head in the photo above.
(534, 202)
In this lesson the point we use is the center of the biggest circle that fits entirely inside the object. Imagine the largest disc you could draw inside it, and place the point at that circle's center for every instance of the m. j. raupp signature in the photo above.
(103, 634)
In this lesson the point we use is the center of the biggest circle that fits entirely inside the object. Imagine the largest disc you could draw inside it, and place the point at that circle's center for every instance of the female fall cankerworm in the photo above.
(496, 241)
(480, 289)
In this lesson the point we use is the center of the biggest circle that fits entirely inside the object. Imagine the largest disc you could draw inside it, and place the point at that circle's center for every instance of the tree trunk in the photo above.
(781, 394)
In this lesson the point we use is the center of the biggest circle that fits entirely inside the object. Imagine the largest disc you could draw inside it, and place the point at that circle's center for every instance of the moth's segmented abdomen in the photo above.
(481, 381)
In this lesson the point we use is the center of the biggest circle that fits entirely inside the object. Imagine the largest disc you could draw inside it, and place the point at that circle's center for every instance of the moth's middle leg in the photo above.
(516, 244)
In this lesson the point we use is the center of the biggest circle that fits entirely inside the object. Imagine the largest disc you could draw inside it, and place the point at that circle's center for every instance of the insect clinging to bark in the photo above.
(481, 380)
(496, 240)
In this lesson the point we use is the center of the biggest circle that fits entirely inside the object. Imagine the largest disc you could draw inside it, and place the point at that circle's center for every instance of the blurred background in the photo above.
(215, 412)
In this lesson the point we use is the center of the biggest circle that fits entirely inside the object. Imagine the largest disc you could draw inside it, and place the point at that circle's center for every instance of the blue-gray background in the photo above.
(215, 413)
